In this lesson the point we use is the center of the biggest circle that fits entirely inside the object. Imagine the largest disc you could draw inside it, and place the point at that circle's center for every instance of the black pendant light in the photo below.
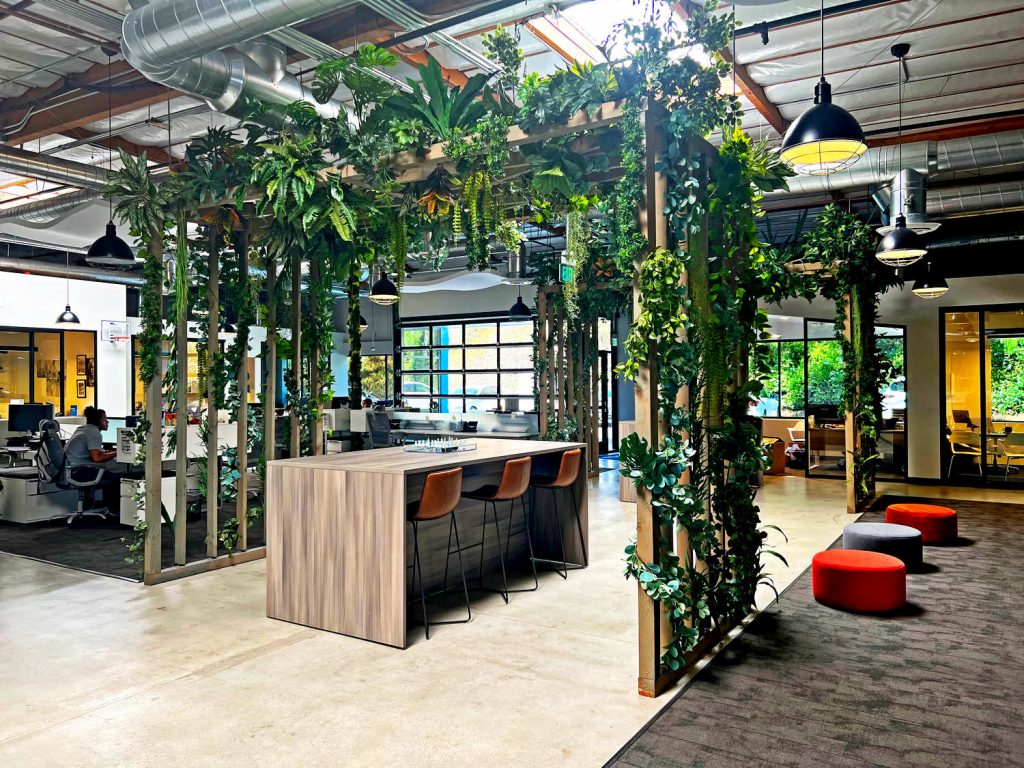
(826, 138)
(902, 246)
(519, 310)
(930, 286)
(67, 317)
(363, 325)
(384, 292)
(110, 251)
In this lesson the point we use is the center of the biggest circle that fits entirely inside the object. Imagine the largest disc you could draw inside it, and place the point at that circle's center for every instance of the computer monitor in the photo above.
(26, 418)
(109, 435)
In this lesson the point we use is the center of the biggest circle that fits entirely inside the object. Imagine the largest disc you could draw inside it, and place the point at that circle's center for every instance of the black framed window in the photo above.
(462, 365)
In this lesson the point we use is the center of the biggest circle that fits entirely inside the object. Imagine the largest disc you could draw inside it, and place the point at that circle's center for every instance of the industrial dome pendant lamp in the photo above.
(826, 138)
(67, 317)
(384, 292)
(519, 310)
(930, 286)
(902, 246)
(110, 251)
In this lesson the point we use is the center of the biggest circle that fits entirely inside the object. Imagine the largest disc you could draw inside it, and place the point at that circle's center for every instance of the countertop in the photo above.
(398, 461)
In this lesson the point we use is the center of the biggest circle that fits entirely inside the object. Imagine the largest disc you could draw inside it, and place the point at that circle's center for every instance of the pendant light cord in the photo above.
(822, 17)
(899, 125)
(67, 279)
(110, 131)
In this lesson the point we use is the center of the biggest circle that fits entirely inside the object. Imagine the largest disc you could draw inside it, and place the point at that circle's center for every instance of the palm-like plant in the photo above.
(441, 108)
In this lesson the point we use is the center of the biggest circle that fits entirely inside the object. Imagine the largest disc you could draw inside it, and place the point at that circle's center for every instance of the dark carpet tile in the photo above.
(95, 545)
(939, 684)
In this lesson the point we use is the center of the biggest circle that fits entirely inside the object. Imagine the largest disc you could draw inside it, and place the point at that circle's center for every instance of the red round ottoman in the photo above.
(936, 524)
(857, 580)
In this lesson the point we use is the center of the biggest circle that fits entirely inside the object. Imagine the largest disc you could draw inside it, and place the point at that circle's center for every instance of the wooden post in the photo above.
(296, 437)
(542, 354)
(850, 425)
(595, 396)
(559, 382)
(181, 439)
(270, 363)
(316, 428)
(653, 624)
(212, 350)
(242, 451)
(154, 438)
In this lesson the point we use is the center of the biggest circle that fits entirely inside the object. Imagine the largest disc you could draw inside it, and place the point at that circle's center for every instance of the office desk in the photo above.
(338, 553)
(16, 454)
(25, 500)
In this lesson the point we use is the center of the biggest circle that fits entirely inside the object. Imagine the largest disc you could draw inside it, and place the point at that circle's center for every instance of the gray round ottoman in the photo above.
(900, 541)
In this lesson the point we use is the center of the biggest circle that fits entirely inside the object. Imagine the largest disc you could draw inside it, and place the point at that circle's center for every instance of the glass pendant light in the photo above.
(519, 310)
(930, 286)
(902, 246)
(67, 317)
(826, 138)
(384, 292)
(110, 251)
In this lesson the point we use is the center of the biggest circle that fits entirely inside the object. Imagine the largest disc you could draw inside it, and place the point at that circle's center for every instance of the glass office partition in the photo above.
(1003, 427)
(15, 370)
(824, 423)
(962, 384)
(892, 434)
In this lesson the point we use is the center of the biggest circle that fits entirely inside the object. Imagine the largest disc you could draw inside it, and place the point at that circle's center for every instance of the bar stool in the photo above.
(568, 473)
(441, 492)
(515, 481)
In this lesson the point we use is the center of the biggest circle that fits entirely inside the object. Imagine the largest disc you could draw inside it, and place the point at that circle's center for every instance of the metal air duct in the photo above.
(41, 212)
(21, 162)
(177, 43)
(907, 197)
(33, 267)
(976, 198)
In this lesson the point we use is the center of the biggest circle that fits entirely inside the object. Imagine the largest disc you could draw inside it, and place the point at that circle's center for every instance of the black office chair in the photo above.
(51, 465)
(379, 424)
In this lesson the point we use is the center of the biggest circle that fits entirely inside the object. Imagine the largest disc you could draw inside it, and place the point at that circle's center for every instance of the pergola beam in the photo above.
(750, 89)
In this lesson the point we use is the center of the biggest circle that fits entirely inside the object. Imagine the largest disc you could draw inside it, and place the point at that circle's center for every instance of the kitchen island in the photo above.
(339, 556)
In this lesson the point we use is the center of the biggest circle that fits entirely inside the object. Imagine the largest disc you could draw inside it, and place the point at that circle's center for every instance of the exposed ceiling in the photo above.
(56, 80)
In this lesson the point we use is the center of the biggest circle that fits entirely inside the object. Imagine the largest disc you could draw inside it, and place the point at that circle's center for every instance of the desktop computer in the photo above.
(109, 435)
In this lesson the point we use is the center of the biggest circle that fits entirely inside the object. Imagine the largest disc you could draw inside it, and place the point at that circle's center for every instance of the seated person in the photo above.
(84, 453)
(367, 404)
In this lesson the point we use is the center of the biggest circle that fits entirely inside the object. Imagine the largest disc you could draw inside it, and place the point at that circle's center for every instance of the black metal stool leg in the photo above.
(579, 525)
(483, 540)
(529, 543)
(564, 573)
(501, 556)
(417, 566)
(462, 569)
(447, 557)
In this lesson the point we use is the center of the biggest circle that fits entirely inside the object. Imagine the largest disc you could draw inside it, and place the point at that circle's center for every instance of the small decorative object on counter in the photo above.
(443, 445)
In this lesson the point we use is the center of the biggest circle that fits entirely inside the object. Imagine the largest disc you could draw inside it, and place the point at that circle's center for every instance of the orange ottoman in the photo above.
(857, 580)
(936, 524)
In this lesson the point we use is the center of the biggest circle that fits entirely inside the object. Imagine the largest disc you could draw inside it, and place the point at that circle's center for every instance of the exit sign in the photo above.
(566, 273)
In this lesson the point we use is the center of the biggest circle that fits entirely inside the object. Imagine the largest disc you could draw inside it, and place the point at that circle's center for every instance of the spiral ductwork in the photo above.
(42, 212)
(21, 162)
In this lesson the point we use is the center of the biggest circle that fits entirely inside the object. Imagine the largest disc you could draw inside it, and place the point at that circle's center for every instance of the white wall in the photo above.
(35, 301)
(921, 317)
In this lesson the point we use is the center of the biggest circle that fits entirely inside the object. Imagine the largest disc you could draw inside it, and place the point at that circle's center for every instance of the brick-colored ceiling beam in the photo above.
(958, 131)
(753, 92)
(154, 153)
(89, 109)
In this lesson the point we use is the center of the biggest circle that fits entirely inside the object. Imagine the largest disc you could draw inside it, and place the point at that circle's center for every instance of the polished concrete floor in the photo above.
(100, 672)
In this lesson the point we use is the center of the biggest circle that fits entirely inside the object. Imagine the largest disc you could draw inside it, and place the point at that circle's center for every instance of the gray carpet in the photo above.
(940, 684)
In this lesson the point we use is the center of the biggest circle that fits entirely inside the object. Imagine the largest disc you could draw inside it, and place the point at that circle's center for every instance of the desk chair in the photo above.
(52, 467)
(86, 480)
(440, 497)
(961, 416)
(515, 482)
(379, 425)
(964, 443)
(1013, 450)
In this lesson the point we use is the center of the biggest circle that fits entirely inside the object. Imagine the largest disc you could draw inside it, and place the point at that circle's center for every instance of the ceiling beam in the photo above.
(154, 153)
(453, 77)
(753, 92)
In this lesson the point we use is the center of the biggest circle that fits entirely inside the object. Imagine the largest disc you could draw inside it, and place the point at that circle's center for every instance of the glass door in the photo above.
(892, 434)
(15, 370)
(824, 421)
(1003, 427)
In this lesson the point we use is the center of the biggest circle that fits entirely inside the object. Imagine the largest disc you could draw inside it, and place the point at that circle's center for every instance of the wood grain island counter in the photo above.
(339, 556)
